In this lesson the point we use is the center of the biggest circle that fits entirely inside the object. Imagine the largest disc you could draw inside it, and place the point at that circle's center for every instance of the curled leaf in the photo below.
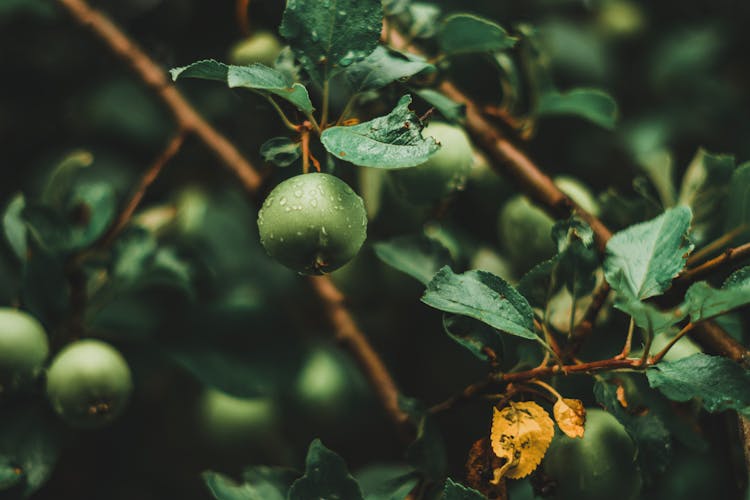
(521, 434)
(479, 470)
(570, 416)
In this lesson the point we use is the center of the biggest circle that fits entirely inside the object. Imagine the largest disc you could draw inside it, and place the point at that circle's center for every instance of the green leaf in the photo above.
(418, 256)
(642, 260)
(648, 431)
(537, 285)
(260, 483)
(647, 316)
(96, 206)
(705, 187)
(720, 384)
(427, 452)
(63, 177)
(329, 35)
(281, 151)
(10, 476)
(392, 141)
(704, 302)
(31, 443)
(738, 201)
(419, 20)
(457, 491)
(482, 296)
(593, 105)
(387, 482)
(44, 284)
(474, 335)
(257, 77)
(15, 227)
(383, 67)
(577, 256)
(465, 34)
(326, 476)
(451, 110)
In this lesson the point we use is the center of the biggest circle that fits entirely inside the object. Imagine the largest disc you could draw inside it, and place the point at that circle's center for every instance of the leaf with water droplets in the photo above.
(391, 142)
(483, 296)
(330, 35)
(383, 67)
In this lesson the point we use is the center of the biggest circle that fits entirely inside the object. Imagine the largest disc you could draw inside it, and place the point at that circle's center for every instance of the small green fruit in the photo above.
(578, 192)
(229, 421)
(313, 223)
(89, 384)
(23, 348)
(599, 465)
(444, 172)
(525, 230)
(526, 233)
(262, 47)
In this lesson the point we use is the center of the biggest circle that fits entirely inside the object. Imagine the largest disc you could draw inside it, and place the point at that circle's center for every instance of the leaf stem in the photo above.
(326, 104)
(715, 245)
(660, 355)
(284, 119)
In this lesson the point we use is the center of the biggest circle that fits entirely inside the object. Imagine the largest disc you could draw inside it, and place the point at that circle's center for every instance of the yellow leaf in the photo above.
(521, 434)
(570, 416)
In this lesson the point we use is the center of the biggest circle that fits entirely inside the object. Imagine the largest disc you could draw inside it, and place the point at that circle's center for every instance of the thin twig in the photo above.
(188, 118)
(715, 245)
(723, 262)
(154, 77)
(660, 355)
(148, 178)
(243, 18)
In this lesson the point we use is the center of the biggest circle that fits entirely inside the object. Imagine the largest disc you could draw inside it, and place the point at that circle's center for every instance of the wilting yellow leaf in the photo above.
(570, 416)
(521, 434)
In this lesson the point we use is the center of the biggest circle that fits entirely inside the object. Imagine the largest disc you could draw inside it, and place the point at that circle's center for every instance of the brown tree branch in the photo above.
(731, 257)
(153, 76)
(189, 120)
(148, 178)
(510, 160)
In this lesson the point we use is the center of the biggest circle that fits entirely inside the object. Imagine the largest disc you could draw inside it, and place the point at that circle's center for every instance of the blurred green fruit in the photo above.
(324, 386)
(682, 349)
(262, 47)
(486, 259)
(525, 233)
(621, 18)
(23, 348)
(313, 223)
(525, 230)
(599, 465)
(578, 193)
(229, 421)
(445, 172)
(89, 383)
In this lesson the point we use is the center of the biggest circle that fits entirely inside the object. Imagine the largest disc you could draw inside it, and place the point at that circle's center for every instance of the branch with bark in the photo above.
(189, 120)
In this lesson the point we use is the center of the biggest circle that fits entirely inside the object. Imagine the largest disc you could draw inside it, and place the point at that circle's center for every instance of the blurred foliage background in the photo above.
(225, 314)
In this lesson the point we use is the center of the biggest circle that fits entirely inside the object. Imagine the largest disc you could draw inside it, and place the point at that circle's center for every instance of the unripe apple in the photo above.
(228, 421)
(23, 348)
(525, 230)
(89, 383)
(444, 172)
(599, 465)
(313, 223)
(262, 47)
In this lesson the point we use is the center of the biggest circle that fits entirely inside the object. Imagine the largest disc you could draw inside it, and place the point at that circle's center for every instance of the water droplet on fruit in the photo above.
(298, 193)
(314, 203)
(282, 202)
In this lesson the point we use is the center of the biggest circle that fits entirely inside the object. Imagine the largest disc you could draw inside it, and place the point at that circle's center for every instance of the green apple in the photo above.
(89, 383)
(444, 172)
(23, 348)
(313, 223)
(599, 465)
(261, 47)
(525, 230)
(229, 421)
